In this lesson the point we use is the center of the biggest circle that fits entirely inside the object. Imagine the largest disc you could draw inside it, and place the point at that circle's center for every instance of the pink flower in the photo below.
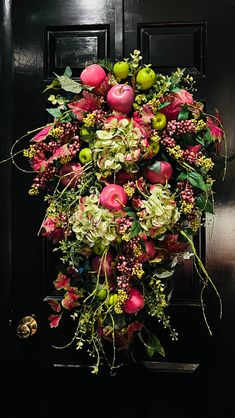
(177, 100)
(53, 230)
(143, 121)
(54, 320)
(49, 225)
(88, 103)
(104, 87)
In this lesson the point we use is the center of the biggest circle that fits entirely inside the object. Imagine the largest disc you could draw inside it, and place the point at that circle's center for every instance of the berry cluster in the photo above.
(123, 224)
(128, 265)
(68, 129)
(43, 179)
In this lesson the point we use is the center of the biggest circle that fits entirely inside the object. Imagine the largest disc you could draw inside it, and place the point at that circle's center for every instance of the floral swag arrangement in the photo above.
(125, 169)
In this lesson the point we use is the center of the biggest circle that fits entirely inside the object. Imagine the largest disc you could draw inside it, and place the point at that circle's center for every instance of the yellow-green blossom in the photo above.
(92, 223)
(159, 212)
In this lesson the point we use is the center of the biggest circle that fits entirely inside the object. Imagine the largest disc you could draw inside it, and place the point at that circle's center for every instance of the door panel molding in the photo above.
(174, 44)
(74, 46)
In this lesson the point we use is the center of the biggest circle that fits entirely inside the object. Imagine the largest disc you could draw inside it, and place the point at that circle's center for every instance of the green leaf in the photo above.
(68, 84)
(55, 112)
(164, 274)
(135, 229)
(154, 343)
(156, 167)
(184, 113)
(130, 213)
(150, 351)
(207, 137)
(200, 140)
(204, 203)
(68, 71)
(197, 180)
(175, 90)
(182, 176)
(164, 104)
(55, 83)
(120, 322)
(106, 63)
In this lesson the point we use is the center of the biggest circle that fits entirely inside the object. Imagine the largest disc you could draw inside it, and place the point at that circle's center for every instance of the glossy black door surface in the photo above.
(39, 38)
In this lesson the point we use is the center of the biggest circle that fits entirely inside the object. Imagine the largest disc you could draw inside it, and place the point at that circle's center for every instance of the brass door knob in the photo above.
(27, 327)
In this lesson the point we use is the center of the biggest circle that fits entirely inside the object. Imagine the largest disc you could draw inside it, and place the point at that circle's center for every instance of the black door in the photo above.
(38, 39)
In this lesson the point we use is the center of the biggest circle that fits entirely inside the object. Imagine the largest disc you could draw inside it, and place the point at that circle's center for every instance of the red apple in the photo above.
(135, 301)
(70, 173)
(159, 172)
(149, 252)
(121, 97)
(113, 197)
(103, 265)
(93, 75)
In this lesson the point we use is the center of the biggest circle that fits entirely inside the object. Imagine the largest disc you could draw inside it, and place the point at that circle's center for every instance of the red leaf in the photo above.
(54, 305)
(41, 135)
(54, 320)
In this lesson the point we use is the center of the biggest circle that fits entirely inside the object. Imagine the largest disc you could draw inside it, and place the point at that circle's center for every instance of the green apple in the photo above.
(113, 299)
(84, 132)
(121, 69)
(101, 293)
(85, 155)
(159, 121)
(155, 147)
(99, 248)
(146, 78)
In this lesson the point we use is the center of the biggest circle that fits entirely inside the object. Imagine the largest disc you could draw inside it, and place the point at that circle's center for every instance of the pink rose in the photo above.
(52, 229)
(177, 100)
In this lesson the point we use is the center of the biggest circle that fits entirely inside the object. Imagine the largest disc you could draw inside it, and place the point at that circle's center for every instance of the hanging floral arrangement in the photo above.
(125, 168)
